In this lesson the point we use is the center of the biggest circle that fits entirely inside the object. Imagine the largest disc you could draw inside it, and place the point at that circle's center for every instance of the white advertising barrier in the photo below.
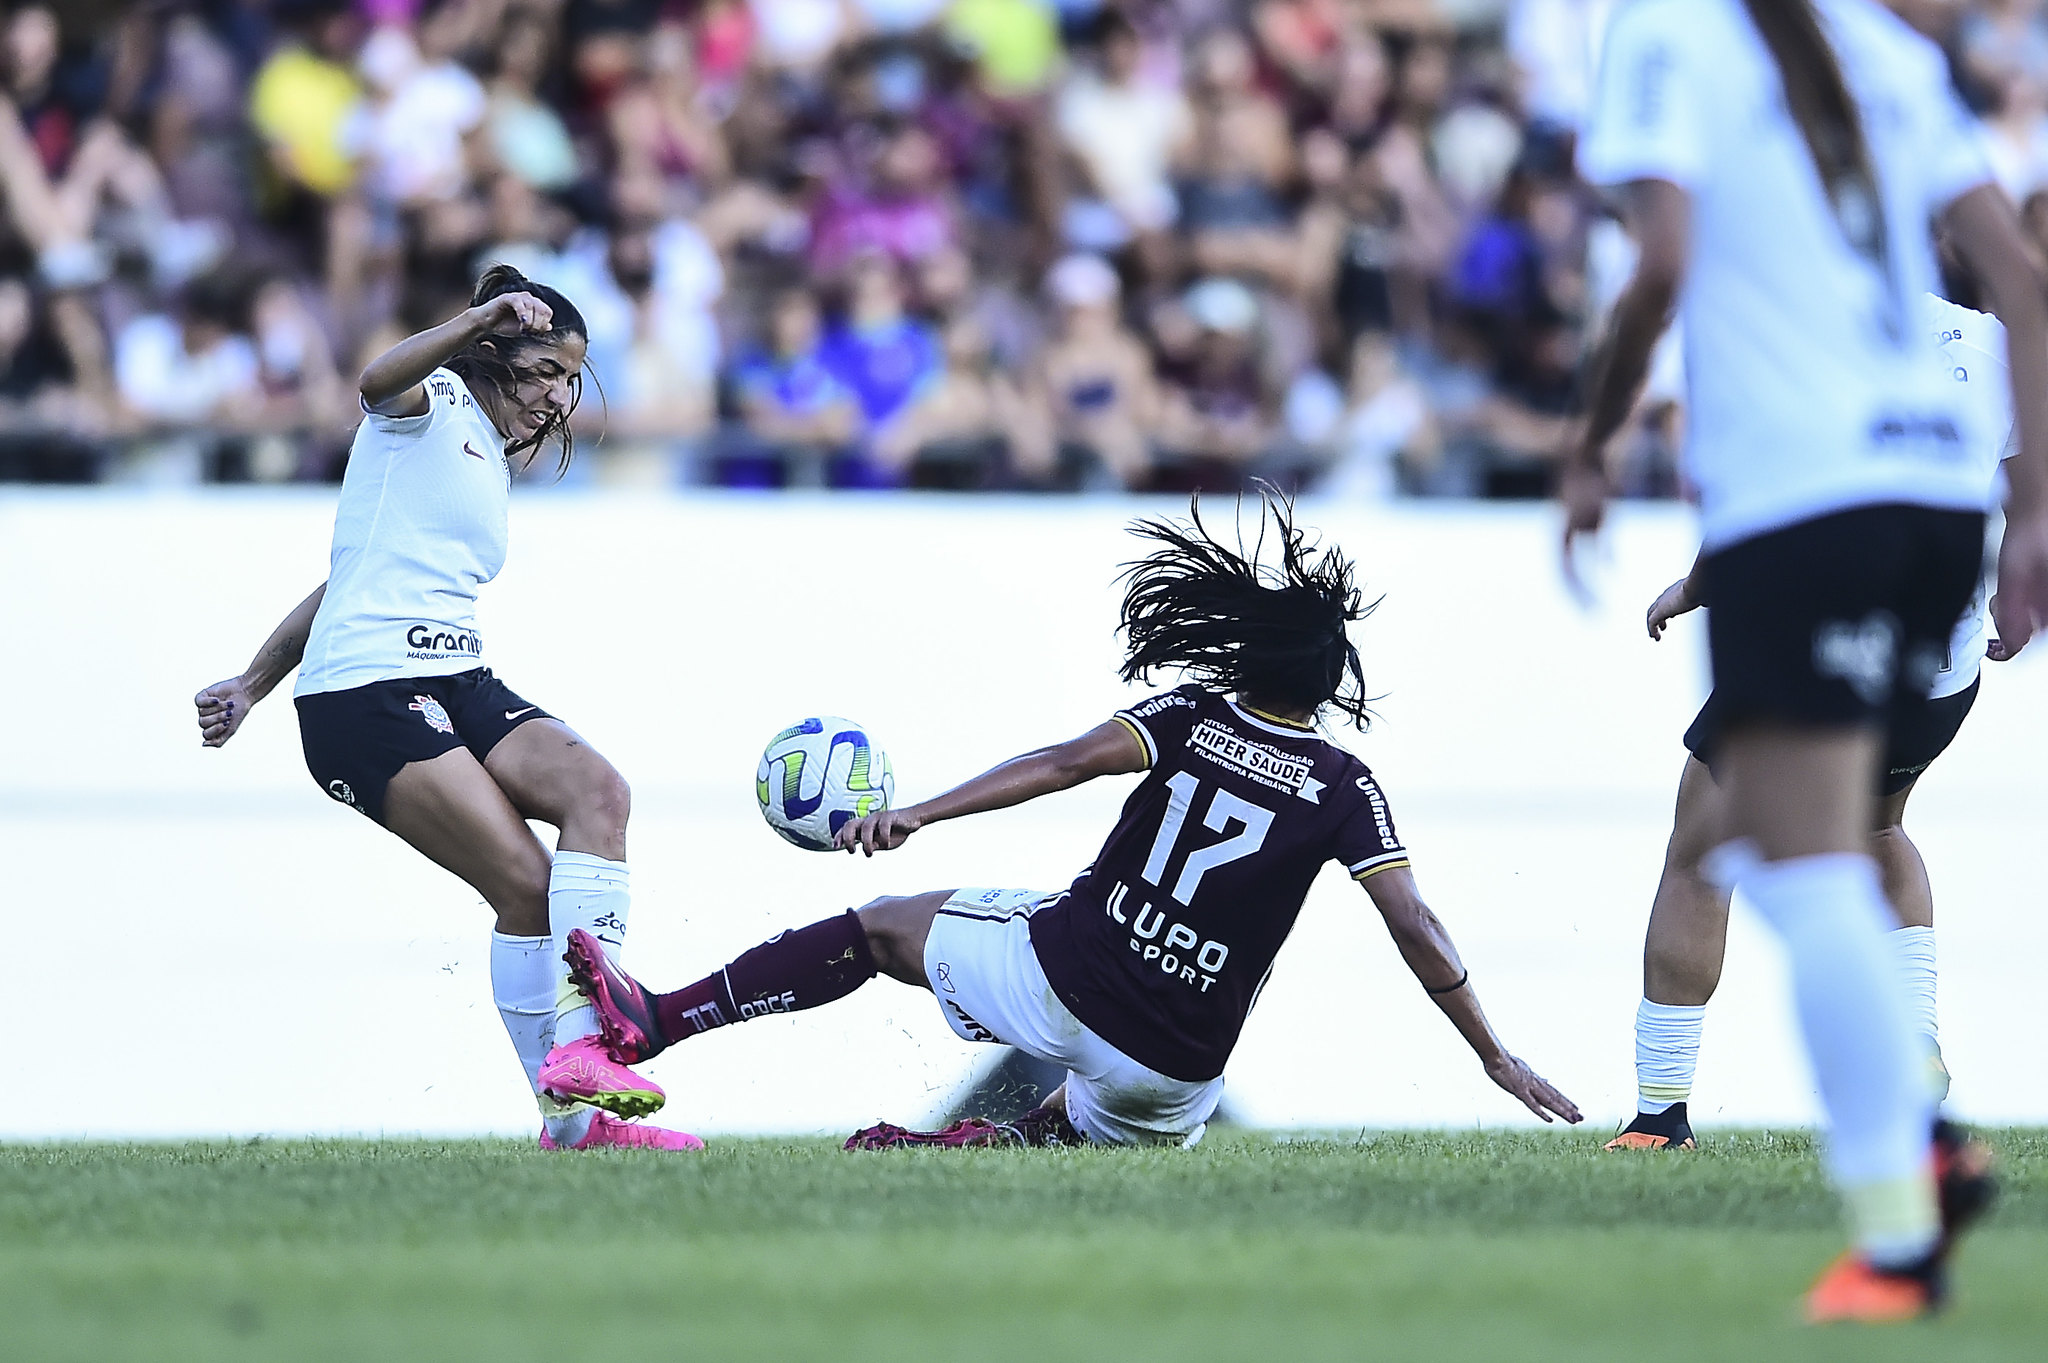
(202, 942)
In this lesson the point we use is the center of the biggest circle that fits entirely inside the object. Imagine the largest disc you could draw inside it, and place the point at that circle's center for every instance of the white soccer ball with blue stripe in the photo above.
(819, 775)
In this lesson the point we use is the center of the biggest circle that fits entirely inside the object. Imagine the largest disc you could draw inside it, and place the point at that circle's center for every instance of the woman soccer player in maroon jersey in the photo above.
(1137, 978)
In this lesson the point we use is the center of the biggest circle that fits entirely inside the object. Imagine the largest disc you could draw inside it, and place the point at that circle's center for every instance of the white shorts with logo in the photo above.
(985, 974)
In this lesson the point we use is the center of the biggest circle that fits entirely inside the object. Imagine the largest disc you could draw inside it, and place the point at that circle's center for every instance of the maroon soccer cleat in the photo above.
(625, 1010)
(1038, 1127)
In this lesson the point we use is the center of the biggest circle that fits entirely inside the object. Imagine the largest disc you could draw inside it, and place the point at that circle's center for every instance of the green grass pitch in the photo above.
(1440, 1248)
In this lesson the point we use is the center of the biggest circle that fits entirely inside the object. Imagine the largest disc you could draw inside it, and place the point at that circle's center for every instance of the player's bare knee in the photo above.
(885, 921)
(1887, 840)
(520, 899)
(607, 799)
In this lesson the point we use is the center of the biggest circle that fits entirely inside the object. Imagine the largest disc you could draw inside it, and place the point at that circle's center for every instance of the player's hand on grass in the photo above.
(1674, 601)
(222, 708)
(883, 831)
(1532, 1088)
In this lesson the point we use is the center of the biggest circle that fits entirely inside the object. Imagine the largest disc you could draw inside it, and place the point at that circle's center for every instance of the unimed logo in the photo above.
(428, 639)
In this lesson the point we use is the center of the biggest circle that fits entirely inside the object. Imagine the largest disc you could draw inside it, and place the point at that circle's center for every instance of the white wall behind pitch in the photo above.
(211, 945)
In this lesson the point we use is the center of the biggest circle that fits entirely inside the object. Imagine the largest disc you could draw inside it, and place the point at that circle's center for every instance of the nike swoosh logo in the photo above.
(514, 714)
(470, 452)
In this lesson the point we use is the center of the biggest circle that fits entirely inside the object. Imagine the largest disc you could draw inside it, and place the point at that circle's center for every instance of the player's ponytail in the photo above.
(1820, 103)
(494, 360)
(1269, 630)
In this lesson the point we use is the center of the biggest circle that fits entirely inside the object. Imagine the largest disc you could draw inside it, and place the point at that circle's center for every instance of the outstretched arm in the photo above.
(1428, 950)
(224, 705)
(1107, 749)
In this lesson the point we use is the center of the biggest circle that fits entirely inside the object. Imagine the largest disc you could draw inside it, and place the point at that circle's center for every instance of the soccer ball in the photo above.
(818, 775)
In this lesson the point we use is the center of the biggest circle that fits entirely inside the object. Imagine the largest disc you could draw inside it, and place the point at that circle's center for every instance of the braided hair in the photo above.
(496, 361)
(1232, 620)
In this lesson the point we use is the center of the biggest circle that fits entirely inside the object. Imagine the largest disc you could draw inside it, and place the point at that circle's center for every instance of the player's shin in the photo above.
(1914, 949)
(1832, 917)
(1667, 1053)
(524, 971)
(791, 971)
(588, 892)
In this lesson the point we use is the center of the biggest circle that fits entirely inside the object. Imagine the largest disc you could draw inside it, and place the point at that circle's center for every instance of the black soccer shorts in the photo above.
(356, 740)
(1840, 620)
(1910, 745)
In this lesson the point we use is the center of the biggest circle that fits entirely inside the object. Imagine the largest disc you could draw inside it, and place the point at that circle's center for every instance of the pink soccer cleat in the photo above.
(625, 1010)
(609, 1133)
(584, 1072)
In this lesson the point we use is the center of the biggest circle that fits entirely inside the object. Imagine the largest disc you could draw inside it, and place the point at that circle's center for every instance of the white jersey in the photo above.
(1809, 387)
(421, 525)
(1973, 354)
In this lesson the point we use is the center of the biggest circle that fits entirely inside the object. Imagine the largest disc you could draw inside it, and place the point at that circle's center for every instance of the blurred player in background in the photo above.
(1138, 977)
(1688, 932)
(1781, 162)
(399, 717)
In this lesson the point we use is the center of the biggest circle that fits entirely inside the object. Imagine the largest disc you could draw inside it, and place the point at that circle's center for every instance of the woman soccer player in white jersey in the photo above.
(399, 717)
(1688, 931)
(1781, 164)
(1137, 978)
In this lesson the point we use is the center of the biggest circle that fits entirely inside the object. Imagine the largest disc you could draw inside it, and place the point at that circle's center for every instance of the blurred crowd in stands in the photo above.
(1034, 244)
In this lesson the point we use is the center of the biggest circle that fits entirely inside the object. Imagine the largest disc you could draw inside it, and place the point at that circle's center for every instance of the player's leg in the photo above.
(1920, 738)
(1906, 885)
(1688, 931)
(1899, 865)
(549, 773)
(379, 749)
(451, 810)
(792, 971)
(1801, 799)
(1682, 952)
(1823, 636)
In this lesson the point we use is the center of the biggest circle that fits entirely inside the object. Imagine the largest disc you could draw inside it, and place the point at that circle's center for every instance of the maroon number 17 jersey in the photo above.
(1161, 945)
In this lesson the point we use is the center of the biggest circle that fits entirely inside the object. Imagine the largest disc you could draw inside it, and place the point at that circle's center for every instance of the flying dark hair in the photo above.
(496, 360)
(1819, 100)
(1269, 631)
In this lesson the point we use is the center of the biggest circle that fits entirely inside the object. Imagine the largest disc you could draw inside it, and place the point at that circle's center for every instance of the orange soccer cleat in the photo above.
(1852, 1289)
(1666, 1130)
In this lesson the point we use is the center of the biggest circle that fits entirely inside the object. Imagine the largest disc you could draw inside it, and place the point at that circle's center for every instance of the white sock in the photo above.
(1667, 1052)
(587, 892)
(1914, 948)
(523, 984)
(1831, 914)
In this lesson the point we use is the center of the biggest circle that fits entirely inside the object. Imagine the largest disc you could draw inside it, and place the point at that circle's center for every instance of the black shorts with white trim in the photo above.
(1839, 620)
(357, 740)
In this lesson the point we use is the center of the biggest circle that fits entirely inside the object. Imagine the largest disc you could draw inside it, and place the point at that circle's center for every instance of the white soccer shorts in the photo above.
(987, 979)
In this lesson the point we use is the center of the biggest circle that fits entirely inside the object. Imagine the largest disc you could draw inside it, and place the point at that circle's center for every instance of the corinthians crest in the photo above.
(433, 713)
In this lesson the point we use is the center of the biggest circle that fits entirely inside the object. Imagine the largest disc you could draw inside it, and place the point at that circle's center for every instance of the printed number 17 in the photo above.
(1223, 808)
